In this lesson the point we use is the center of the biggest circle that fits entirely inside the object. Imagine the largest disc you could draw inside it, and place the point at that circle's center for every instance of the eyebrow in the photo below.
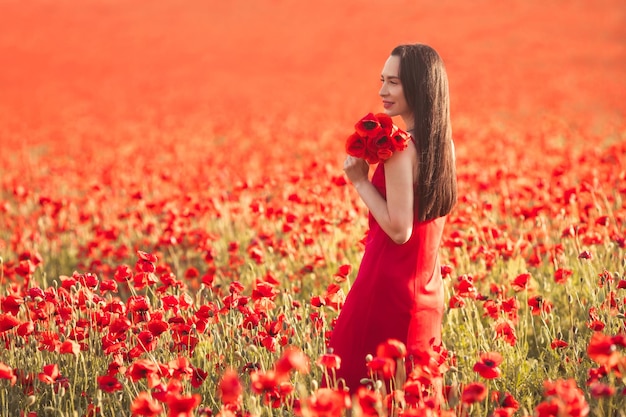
(390, 76)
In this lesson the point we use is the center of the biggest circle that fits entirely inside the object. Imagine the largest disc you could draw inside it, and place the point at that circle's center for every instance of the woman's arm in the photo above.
(395, 214)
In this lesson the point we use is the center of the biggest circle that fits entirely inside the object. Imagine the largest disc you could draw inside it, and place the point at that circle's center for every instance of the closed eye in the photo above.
(392, 80)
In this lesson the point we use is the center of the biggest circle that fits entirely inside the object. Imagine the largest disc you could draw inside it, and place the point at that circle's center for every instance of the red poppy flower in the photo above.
(139, 307)
(108, 285)
(36, 293)
(474, 392)
(198, 377)
(263, 381)
(292, 359)
(334, 297)
(370, 402)
(144, 279)
(6, 372)
(144, 368)
(521, 282)
(109, 383)
(386, 122)
(145, 266)
(399, 139)
(511, 306)
(264, 290)
(326, 402)
(26, 329)
(162, 391)
(192, 273)
(277, 397)
(68, 282)
(145, 256)
(561, 275)
(208, 312)
(502, 412)
(170, 302)
(181, 368)
(257, 254)
(49, 341)
(230, 389)
(487, 367)
(548, 408)
(88, 280)
(596, 325)
(138, 303)
(596, 374)
(506, 331)
(183, 301)
(50, 374)
(123, 273)
(569, 399)
(602, 350)
(465, 286)
(119, 326)
(342, 273)
(456, 301)
(185, 341)
(70, 346)
(11, 304)
(7, 322)
(145, 405)
(236, 287)
(446, 270)
(376, 138)
(619, 340)
(340, 180)
(116, 365)
(157, 326)
(492, 309)
(329, 361)
(25, 268)
(182, 405)
(416, 387)
(381, 147)
(369, 126)
(558, 343)
(505, 400)
(538, 305)
(385, 366)
(598, 389)
(392, 348)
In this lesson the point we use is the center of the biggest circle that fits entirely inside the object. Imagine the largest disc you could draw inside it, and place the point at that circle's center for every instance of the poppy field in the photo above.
(177, 236)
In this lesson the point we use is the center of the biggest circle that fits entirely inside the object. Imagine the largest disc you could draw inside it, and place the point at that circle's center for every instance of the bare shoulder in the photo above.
(403, 161)
(406, 156)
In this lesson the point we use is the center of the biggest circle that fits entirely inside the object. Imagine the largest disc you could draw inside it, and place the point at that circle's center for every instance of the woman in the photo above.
(398, 292)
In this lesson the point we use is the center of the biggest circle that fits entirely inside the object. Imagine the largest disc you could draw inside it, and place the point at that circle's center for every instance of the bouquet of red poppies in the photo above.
(376, 138)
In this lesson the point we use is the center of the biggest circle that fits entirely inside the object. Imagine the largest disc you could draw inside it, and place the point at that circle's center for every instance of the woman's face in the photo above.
(392, 93)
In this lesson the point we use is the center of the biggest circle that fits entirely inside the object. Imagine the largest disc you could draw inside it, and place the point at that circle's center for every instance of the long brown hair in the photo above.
(425, 85)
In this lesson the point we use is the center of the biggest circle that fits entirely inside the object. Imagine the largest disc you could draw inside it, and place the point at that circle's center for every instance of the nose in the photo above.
(383, 90)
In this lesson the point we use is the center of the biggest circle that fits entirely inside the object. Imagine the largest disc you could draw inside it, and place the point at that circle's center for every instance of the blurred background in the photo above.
(169, 63)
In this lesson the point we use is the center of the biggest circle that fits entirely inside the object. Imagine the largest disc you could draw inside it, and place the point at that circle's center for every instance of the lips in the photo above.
(387, 104)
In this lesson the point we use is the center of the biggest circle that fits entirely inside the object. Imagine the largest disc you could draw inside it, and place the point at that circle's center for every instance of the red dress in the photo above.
(397, 294)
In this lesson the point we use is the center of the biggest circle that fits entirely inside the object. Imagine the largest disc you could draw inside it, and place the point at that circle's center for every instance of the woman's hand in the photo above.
(356, 169)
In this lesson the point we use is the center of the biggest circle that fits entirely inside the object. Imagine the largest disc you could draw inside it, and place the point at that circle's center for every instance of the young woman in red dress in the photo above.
(398, 292)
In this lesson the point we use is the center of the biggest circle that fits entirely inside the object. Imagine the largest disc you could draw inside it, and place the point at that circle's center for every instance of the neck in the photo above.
(409, 123)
